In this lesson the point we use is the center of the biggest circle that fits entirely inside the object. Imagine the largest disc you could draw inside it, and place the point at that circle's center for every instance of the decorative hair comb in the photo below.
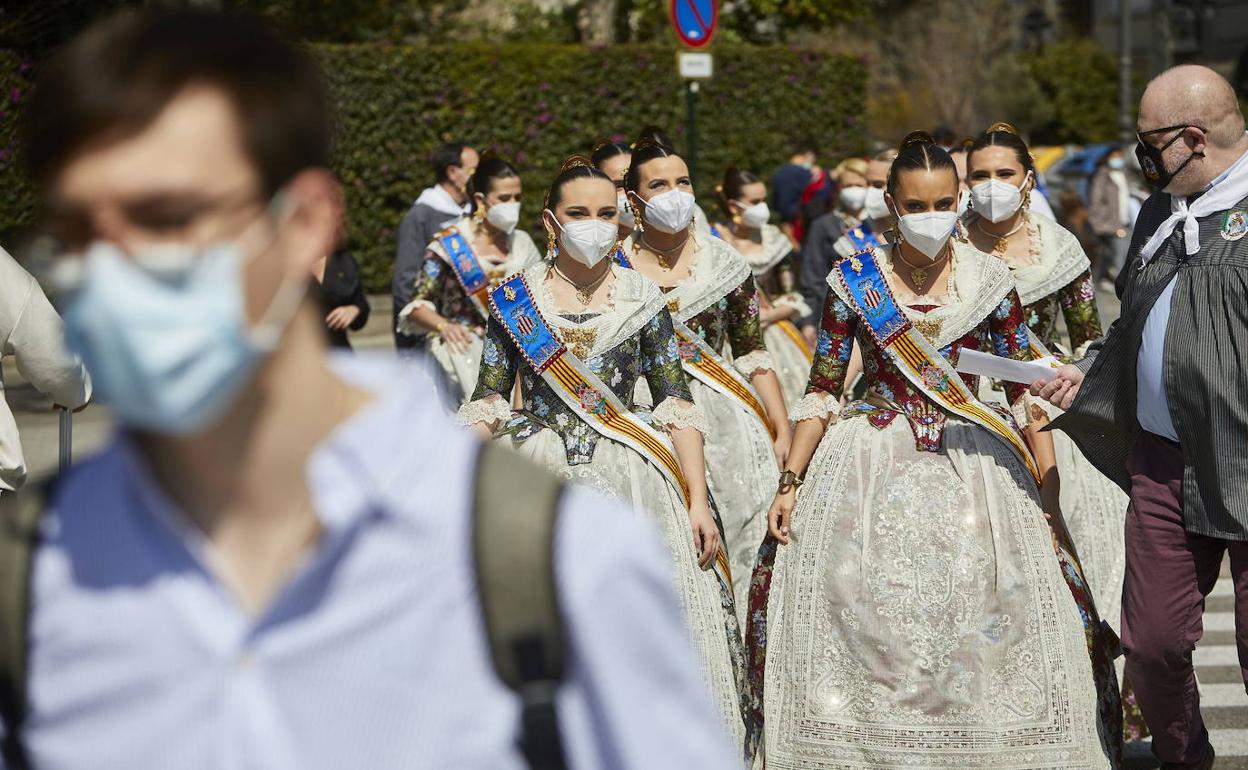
(915, 137)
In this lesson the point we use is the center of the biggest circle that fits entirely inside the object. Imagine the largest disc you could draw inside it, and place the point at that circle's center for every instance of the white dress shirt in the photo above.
(373, 655)
(1152, 406)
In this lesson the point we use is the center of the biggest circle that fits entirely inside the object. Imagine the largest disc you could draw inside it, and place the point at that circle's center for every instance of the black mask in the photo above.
(1150, 157)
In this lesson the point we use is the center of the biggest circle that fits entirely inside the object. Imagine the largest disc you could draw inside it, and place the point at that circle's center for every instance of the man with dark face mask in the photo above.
(272, 564)
(1160, 404)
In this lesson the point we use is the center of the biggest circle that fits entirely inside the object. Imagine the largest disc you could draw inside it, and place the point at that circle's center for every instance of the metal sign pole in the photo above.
(691, 107)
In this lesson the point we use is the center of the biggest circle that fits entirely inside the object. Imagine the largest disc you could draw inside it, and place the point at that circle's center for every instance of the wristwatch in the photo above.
(788, 480)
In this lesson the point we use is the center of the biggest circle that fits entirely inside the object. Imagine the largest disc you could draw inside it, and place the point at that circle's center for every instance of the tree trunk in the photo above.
(596, 21)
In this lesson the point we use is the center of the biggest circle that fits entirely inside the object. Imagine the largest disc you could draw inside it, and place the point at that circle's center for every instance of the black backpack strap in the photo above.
(19, 530)
(515, 507)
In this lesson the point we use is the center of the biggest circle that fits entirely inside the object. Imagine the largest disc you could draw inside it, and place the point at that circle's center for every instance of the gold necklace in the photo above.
(1003, 241)
(663, 255)
(584, 294)
(918, 273)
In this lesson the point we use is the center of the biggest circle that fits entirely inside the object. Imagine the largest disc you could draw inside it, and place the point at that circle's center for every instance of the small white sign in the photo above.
(695, 65)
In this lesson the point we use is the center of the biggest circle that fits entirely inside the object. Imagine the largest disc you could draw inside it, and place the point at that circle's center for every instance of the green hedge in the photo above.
(536, 104)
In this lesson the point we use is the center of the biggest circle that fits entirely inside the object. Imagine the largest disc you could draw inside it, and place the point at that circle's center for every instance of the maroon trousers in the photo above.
(1169, 574)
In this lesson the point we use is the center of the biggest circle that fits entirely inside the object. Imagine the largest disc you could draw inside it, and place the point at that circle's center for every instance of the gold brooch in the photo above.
(509, 293)
(581, 341)
(856, 264)
(673, 305)
(928, 328)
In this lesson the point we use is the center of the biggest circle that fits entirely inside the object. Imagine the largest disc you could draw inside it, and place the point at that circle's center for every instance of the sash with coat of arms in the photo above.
(467, 269)
(915, 356)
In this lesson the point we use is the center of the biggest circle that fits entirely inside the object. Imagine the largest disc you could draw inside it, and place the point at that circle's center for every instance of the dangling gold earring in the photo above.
(550, 245)
(1026, 200)
(637, 218)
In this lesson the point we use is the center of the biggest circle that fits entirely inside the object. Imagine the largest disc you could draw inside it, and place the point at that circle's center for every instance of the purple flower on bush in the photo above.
(531, 131)
(543, 118)
(544, 87)
(15, 95)
(522, 157)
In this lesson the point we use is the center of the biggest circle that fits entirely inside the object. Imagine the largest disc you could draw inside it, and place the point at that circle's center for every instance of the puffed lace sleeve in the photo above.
(660, 364)
(833, 349)
(489, 403)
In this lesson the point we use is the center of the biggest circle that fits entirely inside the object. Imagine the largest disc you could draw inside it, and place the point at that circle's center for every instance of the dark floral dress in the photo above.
(733, 319)
(438, 285)
(1077, 302)
(651, 353)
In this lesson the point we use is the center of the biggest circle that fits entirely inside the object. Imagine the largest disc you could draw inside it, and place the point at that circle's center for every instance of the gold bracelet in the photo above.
(441, 325)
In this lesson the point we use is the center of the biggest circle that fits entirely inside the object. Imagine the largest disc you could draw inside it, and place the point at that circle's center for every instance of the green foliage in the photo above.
(536, 104)
(1080, 81)
(533, 105)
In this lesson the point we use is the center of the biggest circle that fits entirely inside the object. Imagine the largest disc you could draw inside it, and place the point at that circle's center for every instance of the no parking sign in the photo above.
(694, 20)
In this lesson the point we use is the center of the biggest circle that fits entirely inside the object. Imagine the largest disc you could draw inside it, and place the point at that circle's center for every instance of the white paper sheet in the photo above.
(988, 365)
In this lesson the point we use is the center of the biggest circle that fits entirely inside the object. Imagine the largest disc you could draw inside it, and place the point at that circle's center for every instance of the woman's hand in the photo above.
(341, 318)
(705, 533)
(457, 337)
(780, 515)
(776, 313)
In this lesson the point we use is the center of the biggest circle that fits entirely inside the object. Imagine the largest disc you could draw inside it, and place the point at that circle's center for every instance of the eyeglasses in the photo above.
(1181, 127)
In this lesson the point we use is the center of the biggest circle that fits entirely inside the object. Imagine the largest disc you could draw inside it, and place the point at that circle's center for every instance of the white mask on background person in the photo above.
(929, 231)
(504, 216)
(874, 205)
(964, 201)
(1116, 164)
(755, 216)
(588, 241)
(853, 197)
(164, 332)
(626, 212)
(670, 211)
(997, 200)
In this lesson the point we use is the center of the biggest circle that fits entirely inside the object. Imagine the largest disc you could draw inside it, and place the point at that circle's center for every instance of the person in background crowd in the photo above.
(851, 194)
(788, 184)
(945, 138)
(612, 159)
(30, 331)
(830, 240)
(341, 294)
(958, 154)
(478, 251)
(1053, 277)
(816, 200)
(618, 330)
(1109, 212)
(1158, 405)
(716, 311)
(271, 565)
(438, 207)
(748, 229)
(1074, 217)
(911, 596)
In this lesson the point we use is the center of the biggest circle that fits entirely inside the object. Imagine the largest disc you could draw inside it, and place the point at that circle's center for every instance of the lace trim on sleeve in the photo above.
(754, 362)
(814, 406)
(406, 324)
(676, 413)
(796, 302)
(486, 410)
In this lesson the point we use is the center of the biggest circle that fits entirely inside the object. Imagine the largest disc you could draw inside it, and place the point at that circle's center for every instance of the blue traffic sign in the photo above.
(695, 20)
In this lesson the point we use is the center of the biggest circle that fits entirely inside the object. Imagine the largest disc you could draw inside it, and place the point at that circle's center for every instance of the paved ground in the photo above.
(1224, 702)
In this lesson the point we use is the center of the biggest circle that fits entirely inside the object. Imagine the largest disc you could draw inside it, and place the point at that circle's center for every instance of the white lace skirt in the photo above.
(919, 619)
(621, 473)
(461, 369)
(741, 474)
(792, 366)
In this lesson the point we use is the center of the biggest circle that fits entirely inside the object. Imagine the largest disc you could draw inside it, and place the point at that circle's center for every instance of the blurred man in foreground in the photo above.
(272, 565)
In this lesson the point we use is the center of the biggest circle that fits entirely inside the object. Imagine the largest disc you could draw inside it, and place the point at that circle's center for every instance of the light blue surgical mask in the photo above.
(164, 332)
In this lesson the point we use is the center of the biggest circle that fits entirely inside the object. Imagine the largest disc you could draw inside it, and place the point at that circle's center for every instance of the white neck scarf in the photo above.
(1226, 192)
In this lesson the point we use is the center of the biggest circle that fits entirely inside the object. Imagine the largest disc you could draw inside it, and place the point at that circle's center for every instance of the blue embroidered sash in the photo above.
(863, 237)
(467, 268)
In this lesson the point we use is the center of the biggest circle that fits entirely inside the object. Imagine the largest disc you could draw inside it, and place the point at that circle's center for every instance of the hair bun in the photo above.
(575, 161)
(599, 144)
(489, 154)
(1002, 127)
(915, 137)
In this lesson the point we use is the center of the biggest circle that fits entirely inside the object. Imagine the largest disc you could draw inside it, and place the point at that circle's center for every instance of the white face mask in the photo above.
(669, 212)
(504, 216)
(853, 197)
(874, 205)
(996, 200)
(964, 201)
(755, 216)
(588, 241)
(928, 232)
(626, 212)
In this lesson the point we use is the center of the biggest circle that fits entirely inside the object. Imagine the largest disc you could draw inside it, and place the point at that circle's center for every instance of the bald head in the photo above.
(1195, 96)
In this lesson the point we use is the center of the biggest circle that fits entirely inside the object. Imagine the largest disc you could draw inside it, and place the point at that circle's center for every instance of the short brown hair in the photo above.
(112, 81)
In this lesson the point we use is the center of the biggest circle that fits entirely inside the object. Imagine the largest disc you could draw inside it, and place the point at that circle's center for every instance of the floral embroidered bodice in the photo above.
(989, 318)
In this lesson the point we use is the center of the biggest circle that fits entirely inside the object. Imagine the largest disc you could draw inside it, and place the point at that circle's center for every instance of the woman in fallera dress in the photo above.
(918, 612)
(461, 265)
(579, 332)
(769, 252)
(710, 291)
(1053, 276)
